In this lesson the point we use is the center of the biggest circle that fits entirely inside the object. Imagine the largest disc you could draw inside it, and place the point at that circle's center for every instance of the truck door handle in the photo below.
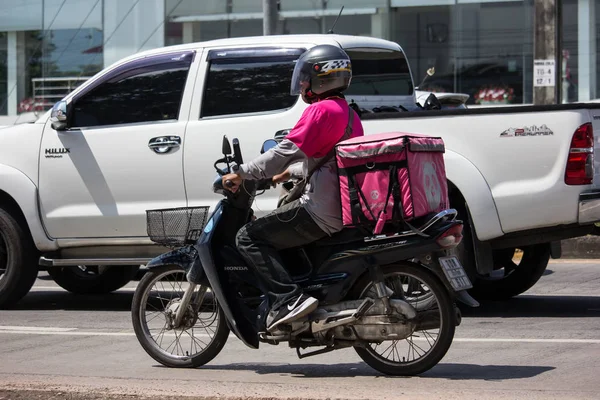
(164, 144)
(280, 135)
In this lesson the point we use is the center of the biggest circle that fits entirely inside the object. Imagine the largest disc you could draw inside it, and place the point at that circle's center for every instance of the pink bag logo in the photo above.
(374, 194)
(433, 189)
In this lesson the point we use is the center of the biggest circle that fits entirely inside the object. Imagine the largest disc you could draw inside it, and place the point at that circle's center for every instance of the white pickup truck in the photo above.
(143, 134)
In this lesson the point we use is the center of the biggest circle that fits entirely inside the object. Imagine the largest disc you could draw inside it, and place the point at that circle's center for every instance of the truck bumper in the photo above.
(589, 207)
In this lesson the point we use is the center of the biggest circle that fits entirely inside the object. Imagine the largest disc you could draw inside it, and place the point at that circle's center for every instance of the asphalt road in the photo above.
(544, 344)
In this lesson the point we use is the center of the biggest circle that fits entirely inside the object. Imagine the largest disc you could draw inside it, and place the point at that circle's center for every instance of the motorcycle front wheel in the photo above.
(202, 332)
(431, 340)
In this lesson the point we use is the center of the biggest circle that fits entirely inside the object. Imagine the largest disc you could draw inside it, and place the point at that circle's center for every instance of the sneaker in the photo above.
(295, 308)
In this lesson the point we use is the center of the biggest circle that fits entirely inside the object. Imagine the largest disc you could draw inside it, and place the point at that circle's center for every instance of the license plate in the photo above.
(455, 273)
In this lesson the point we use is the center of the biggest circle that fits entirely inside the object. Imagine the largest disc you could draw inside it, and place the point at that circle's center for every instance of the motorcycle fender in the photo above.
(186, 258)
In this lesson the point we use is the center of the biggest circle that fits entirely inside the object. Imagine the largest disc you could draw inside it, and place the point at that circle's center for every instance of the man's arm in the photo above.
(273, 162)
(296, 170)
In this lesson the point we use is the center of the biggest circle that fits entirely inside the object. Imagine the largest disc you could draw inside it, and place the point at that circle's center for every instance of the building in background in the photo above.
(480, 47)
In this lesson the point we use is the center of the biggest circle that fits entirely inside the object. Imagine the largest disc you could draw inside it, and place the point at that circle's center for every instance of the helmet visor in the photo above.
(300, 78)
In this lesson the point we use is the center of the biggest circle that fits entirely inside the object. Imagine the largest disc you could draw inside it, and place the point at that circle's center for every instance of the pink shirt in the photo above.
(321, 126)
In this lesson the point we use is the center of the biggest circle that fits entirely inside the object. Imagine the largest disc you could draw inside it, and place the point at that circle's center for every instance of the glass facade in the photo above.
(480, 47)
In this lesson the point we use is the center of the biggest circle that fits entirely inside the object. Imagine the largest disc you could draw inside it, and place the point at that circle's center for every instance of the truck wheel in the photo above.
(508, 279)
(93, 279)
(18, 265)
(511, 278)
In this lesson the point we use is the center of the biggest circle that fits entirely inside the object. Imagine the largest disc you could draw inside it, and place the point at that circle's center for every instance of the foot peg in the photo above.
(364, 307)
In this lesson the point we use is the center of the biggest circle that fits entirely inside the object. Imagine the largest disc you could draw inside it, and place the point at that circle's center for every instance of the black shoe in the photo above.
(294, 309)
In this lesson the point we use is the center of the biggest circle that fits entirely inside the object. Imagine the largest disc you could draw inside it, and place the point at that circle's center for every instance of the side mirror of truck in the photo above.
(59, 116)
(268, 145)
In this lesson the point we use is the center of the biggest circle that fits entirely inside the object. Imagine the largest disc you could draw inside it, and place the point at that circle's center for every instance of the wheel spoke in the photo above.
(196, 340)
(158, 313)
(429, 336)
(415, 346)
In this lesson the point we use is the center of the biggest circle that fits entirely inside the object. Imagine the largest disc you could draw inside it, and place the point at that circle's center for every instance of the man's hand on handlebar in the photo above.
(284, 176)
(232, 182)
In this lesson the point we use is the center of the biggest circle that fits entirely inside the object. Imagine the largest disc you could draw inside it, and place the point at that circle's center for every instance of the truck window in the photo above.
(379, 73)
(248, 85)
(143, 92)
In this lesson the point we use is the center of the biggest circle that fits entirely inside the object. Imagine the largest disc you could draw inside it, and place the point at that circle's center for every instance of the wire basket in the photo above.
(175, 227)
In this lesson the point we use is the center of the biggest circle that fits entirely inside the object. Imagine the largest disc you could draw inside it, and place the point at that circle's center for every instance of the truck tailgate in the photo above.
(521, 155)
(595, 118)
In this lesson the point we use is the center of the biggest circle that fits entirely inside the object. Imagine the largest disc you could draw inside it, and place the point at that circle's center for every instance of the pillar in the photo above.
(130, 30)
(586, 44)
(16, 71)
(191, 32)
(382, 23)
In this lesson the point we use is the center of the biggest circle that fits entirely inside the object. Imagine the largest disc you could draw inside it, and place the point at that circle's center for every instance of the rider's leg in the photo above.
(259, 242)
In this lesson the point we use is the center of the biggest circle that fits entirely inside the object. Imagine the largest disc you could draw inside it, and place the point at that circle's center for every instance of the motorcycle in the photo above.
(377, 294)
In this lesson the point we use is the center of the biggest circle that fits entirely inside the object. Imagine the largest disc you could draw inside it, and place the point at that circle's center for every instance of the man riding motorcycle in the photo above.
(320, 76)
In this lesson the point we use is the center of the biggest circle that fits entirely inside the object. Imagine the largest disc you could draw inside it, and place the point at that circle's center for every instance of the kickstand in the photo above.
(314, 353)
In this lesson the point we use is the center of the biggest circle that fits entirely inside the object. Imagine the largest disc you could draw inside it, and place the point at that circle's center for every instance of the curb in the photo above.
(584, 247)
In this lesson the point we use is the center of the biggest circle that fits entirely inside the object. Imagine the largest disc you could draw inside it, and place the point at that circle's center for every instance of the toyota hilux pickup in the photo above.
(141, 134)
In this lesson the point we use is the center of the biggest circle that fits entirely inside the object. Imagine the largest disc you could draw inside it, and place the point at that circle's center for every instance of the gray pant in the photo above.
(259, 241)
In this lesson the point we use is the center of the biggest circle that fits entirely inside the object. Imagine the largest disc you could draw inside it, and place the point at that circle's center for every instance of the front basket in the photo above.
(174, 227)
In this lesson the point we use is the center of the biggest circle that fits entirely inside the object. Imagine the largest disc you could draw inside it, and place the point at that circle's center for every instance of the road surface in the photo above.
(544, 344)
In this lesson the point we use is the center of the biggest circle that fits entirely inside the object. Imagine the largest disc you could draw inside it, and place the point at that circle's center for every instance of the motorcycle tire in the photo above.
(138, 314)
(447, 314)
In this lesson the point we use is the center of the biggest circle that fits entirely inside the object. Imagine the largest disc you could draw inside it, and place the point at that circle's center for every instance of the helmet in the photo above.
(322, 70)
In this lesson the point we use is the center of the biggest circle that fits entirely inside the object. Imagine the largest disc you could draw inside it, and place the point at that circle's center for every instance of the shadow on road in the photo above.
(345, 370)
(531, 306)
(485, 372)
(524, 306)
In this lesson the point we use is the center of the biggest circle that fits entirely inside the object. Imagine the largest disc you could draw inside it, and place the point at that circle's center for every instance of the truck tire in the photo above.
(93, 279)
(510, 279)
(18, 264)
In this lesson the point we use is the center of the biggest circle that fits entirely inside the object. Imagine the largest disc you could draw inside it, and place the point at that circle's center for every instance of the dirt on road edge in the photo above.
(24, 394)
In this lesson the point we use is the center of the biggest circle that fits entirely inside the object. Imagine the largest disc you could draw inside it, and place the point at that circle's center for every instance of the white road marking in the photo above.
(527, 340)
(34, 329)
(30, 330)
(59, 289)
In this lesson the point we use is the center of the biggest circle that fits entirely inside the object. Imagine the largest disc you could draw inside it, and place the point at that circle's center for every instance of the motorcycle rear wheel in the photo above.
(423, 290)
(206, 331)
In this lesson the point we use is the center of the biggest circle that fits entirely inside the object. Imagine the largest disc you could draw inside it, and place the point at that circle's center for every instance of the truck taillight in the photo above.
(580, 164)
(451, 237)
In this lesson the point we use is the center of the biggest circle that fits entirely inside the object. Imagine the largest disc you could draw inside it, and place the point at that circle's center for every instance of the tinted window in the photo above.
(383, 73)
(142, 94)
(237, 86)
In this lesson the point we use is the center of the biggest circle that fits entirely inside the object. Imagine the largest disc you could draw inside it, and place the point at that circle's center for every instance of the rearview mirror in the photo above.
(268, 145)
(226, 148)
(59, 116)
